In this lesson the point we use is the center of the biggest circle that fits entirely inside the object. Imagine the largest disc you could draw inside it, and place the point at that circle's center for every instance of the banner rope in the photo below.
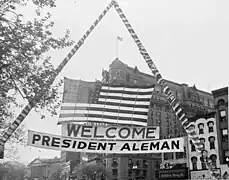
(7, 134)
(173, 102)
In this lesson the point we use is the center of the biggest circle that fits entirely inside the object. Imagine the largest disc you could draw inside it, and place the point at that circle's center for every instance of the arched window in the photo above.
(221, 102)
(194, 163)
(192, 126)
(202, 140)
(213, 157)
(201, 128)
(212, 142)
(193, 148)
(210, 126)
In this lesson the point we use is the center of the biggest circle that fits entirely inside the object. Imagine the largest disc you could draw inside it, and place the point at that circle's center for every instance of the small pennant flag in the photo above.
(119, 38)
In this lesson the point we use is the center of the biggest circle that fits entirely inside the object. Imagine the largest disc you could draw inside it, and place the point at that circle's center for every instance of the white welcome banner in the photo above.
(110, 132)
(55, 142)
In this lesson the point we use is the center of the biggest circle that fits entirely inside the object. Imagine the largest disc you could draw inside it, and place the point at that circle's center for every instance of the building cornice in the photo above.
(220, 92)
(139, 73)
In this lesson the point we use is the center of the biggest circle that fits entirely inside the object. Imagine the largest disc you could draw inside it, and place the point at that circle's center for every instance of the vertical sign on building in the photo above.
(2, 153)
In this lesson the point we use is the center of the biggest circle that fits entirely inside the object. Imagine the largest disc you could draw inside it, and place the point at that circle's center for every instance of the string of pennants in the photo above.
(170, 97)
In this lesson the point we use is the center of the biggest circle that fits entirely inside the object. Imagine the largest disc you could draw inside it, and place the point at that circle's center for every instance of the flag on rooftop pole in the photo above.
(85, 102)
(119, 38)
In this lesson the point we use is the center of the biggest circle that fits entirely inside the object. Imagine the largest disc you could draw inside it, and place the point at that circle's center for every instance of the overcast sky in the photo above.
(188, 40)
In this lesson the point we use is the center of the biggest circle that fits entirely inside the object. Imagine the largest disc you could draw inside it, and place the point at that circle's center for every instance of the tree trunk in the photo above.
(30, 105)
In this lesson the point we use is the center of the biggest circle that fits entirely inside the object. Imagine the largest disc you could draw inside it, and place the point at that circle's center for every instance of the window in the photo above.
(168, 156)
(114, 162)
(209, 103)
(201, 128)
(202, 99)
(210, 126)
(133, 80)
(167, 115)
(158, 114)
(205, 102)
(157, 164)
(194, 163)
(180, 155)
(138, 163)
(202, 140)
(221, 102)
(114, 172)
(213, 157)
(222, 113)
(130, 163)
(212, 142)
(145, 164)
(193, 148)
(130, 172)
(144, 173)
(185, 152)
(137, 172)
(203, 165)
(224, 134)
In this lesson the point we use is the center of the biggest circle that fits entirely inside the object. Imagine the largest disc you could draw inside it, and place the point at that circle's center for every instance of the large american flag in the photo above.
(95, 102)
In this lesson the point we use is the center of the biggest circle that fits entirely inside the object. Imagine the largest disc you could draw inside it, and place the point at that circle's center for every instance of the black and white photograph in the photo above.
(114, 89)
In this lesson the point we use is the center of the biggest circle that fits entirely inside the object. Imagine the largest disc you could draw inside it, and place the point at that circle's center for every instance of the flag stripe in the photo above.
(126, 95)
(126, 105)
(116, 114)
(131, 111)
(136, 98)
(122, 91)
(101, 116)
(104, 120)
(107, 86)
(124, 101)
(73, 106)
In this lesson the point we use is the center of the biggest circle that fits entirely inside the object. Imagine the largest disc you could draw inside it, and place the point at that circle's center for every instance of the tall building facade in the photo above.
(128, 167)
(194, 102)
(221, 107)
(206, 129)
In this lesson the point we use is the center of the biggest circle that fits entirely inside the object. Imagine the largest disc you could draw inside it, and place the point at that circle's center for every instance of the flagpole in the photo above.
(116, 47)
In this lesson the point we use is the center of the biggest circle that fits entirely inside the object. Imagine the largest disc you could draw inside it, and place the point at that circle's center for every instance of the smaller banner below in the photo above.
(110, 132)
(54, 142)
